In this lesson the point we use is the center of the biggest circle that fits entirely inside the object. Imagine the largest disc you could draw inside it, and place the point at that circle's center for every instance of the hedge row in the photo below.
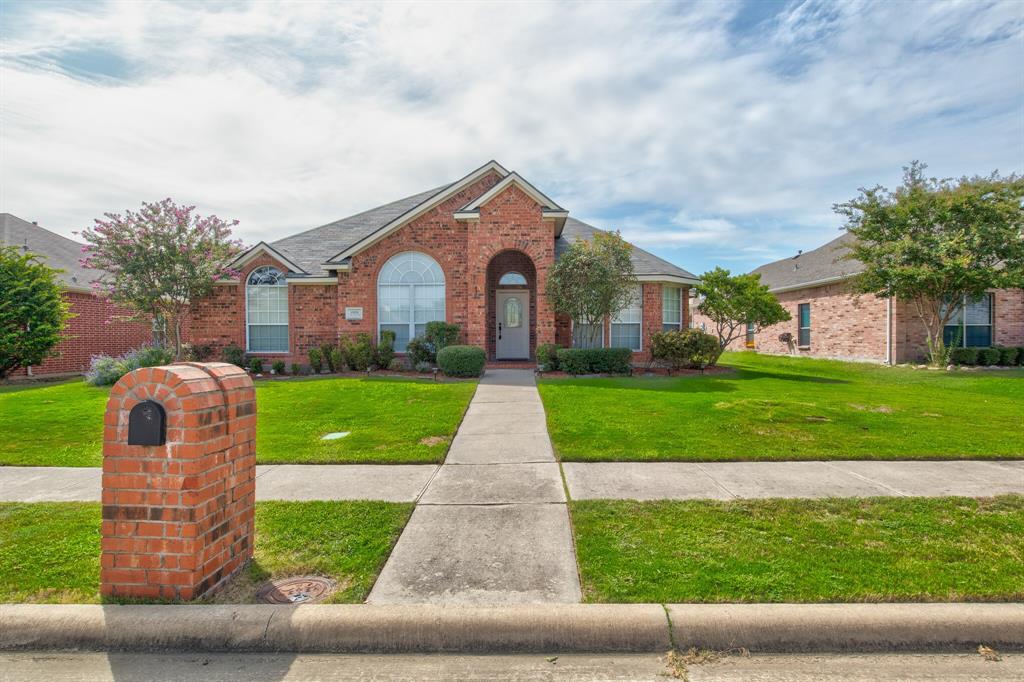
(997, 355)
(594, 360)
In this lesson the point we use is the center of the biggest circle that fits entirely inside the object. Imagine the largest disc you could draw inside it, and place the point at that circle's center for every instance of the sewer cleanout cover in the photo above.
(303, 589)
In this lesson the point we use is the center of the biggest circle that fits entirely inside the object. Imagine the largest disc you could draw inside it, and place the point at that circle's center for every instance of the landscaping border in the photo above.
(590, 628)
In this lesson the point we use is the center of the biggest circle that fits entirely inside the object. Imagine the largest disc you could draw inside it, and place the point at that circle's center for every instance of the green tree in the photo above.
(932, 242)
(157, 261)
(32, 310)
(732, 302)
(593, 280)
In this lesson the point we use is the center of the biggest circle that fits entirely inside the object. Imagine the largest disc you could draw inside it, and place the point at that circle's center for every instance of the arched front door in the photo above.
(512, 324)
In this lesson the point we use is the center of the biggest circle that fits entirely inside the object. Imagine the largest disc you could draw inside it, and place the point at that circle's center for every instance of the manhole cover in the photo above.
(303, 589)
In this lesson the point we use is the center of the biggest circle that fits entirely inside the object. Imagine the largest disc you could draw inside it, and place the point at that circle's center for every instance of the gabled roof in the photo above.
(811, 268)
(646, 265)
(53, 249)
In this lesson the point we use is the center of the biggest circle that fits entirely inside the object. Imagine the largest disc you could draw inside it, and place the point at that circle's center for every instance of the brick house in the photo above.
(98, 326)
(475, 252)
(828, 321)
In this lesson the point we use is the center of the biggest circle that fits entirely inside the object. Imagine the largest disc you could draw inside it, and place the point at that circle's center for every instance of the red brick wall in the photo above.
(97, 328)
(178, 518)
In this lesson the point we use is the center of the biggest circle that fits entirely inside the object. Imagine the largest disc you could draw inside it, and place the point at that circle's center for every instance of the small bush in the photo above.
(154, 356)
(988, 356)
(234, 355)
(336, 360)
(361, 353)
(547, 357)
(595, 360)
(964, 356)
(316, 360)
(462, 361)
(398, 365)
(330, 355)
(1020, 355)
(385, 351)
(278, 366)
(256, 366)
(419, 351)
(440, 335)
(103, 371)
(296, 369)
(1008, 357)
(424, 367)
(197, 352)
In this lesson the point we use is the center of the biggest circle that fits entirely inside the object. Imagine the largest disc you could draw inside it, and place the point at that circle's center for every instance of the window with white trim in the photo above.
(626, 325)
(581, 335)
(266, 311)
(671, 308)
(971, 325)
(512, 279)
(804, 325)
(410, 293)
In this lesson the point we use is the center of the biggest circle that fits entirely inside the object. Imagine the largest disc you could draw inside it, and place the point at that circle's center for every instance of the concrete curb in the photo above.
(567, 628)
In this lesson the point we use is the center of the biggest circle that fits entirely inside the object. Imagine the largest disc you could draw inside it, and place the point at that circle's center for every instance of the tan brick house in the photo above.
(475, 252)
(828, 321)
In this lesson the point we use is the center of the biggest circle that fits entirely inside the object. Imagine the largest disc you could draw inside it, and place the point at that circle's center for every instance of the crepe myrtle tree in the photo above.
(158, 260)
(933, 242)
(593, 280)
(32, 310)
(732, 302)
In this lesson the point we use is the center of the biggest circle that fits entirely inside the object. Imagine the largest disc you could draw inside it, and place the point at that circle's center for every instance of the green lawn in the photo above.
(390, 420)
(50, 552)
(918, 549)
(773, 408)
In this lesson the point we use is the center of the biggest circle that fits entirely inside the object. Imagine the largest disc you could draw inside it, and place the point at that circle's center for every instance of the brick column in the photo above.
(178, 517)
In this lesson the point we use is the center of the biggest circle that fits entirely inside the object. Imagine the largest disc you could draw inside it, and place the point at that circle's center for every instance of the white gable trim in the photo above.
(262, 248)
(518, 181)
(409, 216)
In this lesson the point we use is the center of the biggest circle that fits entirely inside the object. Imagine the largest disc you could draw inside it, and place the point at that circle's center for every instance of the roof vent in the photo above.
(35, 223)
(798, 254)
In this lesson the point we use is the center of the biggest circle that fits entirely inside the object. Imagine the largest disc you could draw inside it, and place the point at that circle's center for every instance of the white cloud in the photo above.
(289, 115)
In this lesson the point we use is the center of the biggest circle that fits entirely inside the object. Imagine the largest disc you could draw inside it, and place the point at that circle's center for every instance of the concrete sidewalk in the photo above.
(492, 526)
(526, 473)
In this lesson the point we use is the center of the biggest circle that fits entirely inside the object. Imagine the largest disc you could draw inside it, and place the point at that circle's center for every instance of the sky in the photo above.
(710, 133)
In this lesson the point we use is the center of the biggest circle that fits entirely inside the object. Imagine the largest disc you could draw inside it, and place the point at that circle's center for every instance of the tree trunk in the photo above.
(177, 336)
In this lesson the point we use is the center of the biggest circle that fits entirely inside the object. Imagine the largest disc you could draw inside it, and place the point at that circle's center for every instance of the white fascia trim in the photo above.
(814, 283)
(519, 181)
(340, 267)
(555, 214)
(266, 248)
(545, 215)
(671, 279)
(409, 216)
(467, 215)
(311, 280)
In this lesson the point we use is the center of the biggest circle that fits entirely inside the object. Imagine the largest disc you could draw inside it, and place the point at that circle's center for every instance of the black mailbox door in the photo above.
(146, 424)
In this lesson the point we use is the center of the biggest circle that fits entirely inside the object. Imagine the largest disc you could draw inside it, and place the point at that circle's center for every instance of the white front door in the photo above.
(513, 325)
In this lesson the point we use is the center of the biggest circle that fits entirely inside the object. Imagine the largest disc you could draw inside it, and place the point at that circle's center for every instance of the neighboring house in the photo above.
(828, 321)
(97, 326)
(475, 252)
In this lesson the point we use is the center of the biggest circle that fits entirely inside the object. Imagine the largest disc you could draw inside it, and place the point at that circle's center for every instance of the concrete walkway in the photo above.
(492, 526)
(523, 474)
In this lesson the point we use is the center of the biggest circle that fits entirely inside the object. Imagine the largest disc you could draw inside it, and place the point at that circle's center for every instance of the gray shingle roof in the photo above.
(823, 263)
(644, 263)
(53, 249)
(312, 248)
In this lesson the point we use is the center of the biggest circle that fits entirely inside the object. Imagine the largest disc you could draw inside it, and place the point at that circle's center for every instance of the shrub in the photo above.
(234, 355)
(1020, 355)
(398, 365)
(336, 359)
(964, 356)
(424, 367)
(256, 366)
(330, 355)
(278, 367)
(296, 369)
(703, 348)
(419, 351)
(988, 356)
(154, 356)
(316, 360)
(1008, 357)
(440, 335)
(197, 352)
(461, 361)
(361, 353)
(595, 360)
(103, 371)
(669, 349)
(385, 351)
(547, 357)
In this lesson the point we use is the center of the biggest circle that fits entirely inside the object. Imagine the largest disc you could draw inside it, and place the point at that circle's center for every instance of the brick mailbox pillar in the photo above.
(178, 514)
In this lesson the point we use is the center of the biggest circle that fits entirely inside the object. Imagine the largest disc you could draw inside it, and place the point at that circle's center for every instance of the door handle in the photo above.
(499, 330)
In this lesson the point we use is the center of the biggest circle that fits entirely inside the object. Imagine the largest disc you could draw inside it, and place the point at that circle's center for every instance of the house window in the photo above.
(971, 325)
(512, 279)
(581, 335)
(626, 325)
(266, 311)
(750, 335)
(804, 315)
(410, 293)
(671, 308)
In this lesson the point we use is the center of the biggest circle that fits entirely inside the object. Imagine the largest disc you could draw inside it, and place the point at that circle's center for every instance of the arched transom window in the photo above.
(266, 311)
(410, 293)
(512, 279)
